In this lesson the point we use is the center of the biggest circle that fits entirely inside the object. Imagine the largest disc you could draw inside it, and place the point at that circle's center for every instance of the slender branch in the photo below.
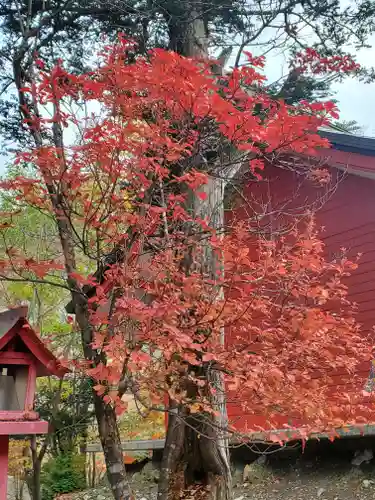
(41, 282)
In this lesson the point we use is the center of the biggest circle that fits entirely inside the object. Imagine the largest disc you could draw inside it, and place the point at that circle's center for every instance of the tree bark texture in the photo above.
(37, 458)
(36, 492)
(196, 457)
(111, 444)
(196, 452)
(105, 414)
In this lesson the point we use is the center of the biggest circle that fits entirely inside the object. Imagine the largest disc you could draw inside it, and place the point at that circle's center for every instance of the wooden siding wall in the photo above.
(346, 218)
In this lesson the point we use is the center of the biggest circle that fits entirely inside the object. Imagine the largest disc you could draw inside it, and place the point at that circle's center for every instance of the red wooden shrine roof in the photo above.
(16, 334)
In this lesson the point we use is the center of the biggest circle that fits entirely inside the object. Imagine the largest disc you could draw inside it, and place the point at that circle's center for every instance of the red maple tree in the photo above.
(132, 202)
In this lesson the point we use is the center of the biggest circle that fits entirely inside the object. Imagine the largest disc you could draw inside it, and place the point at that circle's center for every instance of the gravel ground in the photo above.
(327, 477)
(331, 477)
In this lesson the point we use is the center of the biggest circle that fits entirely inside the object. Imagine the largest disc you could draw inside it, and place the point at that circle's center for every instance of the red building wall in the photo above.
(346, 218)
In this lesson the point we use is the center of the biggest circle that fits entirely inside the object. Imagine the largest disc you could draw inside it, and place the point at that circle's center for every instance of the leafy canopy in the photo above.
(166, 127)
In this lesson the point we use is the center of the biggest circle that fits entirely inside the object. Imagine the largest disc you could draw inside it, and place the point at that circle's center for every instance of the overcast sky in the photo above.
(356, 99)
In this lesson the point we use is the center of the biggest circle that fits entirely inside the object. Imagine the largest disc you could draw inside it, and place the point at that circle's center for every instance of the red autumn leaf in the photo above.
(124, 213)
(202, 195)
(100, 389)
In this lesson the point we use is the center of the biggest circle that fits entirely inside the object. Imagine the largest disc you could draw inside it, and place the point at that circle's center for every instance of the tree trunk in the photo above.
(206, 444)
(206, 459)
(106, 417)
(36, 481)
(195, 459)
(37, 459)
(111, 444)
(171, 479)
(196, 452)
(196, 455)
(105, 414)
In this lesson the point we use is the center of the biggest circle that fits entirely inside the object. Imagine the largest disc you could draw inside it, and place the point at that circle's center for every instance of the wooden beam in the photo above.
(158, 444)
(294, 435)
(136, 445)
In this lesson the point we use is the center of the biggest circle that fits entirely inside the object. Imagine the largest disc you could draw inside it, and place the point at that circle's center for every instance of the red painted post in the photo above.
(4, 449)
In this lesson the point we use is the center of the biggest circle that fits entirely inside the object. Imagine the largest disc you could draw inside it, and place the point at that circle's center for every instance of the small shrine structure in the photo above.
(23, 358)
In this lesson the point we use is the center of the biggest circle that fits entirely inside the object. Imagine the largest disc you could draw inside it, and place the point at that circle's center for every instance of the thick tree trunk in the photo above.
(195, 459)
(206, 459)
(172, 479)
(196, 453)
(207, 438)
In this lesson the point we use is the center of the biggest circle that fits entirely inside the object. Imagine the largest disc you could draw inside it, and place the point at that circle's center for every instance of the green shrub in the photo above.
(63, 474)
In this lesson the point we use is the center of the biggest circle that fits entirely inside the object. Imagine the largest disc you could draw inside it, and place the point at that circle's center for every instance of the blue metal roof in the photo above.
(350, 143)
